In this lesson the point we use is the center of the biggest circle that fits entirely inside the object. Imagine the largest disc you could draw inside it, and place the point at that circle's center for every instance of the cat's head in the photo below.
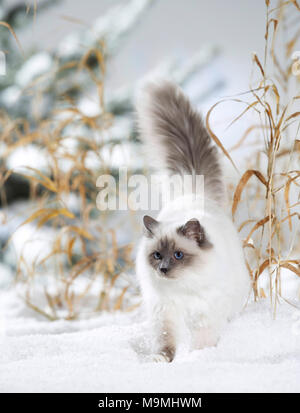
(171, 252)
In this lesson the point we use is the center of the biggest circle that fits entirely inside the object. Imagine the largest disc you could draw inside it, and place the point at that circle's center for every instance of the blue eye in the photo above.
(157, 255)
(178, 255)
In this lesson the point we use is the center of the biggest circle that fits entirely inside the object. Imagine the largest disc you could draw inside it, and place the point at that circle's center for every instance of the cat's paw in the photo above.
(159, 358)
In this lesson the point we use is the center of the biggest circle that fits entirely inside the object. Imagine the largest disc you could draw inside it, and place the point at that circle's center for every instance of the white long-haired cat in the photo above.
(190, 262)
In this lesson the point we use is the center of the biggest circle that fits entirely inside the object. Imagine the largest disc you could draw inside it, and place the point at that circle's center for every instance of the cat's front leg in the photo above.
(164, 339)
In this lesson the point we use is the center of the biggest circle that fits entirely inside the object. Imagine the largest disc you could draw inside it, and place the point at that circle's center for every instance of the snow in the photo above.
(35, 66)
(30, 156)
(109, 353)
(10, 95)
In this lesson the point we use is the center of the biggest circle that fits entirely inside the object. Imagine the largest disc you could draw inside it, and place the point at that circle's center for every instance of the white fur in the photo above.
(207, 295)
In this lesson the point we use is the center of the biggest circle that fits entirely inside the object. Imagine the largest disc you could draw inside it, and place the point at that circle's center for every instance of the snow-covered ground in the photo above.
(109, 354)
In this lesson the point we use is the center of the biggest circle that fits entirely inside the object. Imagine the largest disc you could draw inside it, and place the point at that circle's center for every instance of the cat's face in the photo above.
(170, 253)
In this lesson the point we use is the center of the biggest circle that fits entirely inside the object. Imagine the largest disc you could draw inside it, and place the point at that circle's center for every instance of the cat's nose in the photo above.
(164, 270)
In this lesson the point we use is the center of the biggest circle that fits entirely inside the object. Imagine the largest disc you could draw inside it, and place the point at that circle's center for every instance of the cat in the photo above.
(190, 263)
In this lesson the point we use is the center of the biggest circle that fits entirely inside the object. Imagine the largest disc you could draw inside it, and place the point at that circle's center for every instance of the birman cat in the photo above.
(190, 262)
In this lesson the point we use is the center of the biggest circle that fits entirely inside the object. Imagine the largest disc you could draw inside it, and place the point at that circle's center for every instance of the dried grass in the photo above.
(271, 242)
(83, 245)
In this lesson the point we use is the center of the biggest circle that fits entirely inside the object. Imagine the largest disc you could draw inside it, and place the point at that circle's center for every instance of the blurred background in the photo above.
(169, 29)
(67, 101)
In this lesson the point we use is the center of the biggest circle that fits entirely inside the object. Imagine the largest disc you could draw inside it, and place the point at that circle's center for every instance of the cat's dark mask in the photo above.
(169, 253)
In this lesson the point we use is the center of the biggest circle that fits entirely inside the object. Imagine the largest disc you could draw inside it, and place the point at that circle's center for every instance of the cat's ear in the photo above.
(194, 231)
(191, 229)
(150, 224)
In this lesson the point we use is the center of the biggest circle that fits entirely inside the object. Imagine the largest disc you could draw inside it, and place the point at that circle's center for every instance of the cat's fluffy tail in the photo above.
(175, 136)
